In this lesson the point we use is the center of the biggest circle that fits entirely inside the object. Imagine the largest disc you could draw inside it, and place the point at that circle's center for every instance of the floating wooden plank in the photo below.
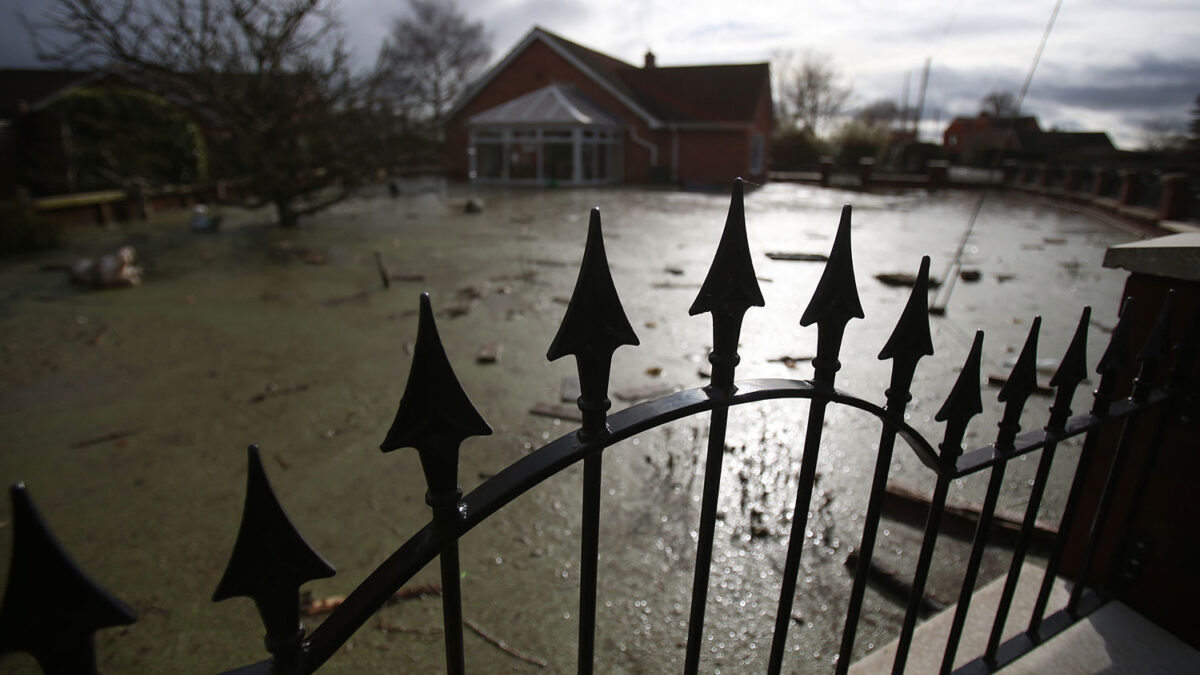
(960, 518)
(999, 381)
(561, 412)
(903, 279)
(797, 257)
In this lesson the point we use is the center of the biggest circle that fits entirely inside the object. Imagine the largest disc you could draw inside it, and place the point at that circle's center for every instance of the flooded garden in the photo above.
(127, 412)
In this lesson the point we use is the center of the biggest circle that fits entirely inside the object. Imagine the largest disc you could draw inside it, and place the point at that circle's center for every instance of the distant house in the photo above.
(972, 140)
(555, 112)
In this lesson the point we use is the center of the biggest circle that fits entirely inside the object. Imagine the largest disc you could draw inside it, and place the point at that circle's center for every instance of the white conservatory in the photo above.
(551, 136)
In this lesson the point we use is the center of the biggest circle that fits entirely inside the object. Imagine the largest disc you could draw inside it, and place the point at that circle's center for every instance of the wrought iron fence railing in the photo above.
(52, 609)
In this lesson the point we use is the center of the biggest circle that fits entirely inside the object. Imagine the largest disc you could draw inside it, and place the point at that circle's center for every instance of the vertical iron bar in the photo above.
(708, 520)
(452, 610)
(866, 549)
(908, 343)
(1125, 540)
(1064, 530)
(589, 554)
(1103, 510)
(1019, 550)
(982, 530)
(937, 505)
(791, 567)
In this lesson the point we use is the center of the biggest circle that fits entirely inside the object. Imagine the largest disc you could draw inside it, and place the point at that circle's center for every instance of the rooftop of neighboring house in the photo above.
(719, 93)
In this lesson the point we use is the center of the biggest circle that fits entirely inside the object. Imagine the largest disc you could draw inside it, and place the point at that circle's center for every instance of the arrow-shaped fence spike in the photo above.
(963, 403)
(1154, 350)
(593, 327)
(1072, 370)
(833, 304)
(910, 340)
(1113, 361)
(270, 561)
(730, 289)
(52, 608)
(434, 416)
(1022, 382)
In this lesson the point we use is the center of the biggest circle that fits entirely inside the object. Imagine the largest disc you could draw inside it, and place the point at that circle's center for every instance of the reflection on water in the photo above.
(262, 335)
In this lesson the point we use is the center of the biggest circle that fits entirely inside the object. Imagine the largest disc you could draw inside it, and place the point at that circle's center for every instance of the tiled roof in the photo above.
(716, 93)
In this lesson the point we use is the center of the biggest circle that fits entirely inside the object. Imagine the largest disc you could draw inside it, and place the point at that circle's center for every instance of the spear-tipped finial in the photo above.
(434, 416)
(910, 339)
(270, 561)
(730, 289)
(1022, 382)
(833, 304)
(592, 328)
(1114, 360)
(963, 403)
(52, 608)
(1071, 371)
(1155, 349)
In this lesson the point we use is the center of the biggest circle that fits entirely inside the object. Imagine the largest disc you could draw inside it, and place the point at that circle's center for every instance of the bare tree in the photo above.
(1164, 134)
(809, 88)
(999, 104)
(429, 58)
(882, 113)
(267, 81)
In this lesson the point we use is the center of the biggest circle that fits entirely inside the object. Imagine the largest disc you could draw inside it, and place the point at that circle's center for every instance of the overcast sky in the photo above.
(1109, 65)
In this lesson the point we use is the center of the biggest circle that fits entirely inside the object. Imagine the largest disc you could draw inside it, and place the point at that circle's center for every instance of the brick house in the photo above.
(976, 140)
(555, 112)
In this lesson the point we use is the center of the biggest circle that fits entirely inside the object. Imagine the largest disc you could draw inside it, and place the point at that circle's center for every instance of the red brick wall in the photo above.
(715, 157)
(537, 66)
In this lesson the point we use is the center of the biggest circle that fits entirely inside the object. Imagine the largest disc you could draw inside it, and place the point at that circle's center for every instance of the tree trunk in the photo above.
(287, 216)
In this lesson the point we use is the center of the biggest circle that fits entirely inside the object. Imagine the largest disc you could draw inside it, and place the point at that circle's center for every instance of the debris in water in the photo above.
(790, 361)
(561, 412)
(113, 270)
(473, 205)
(673, 270)
(999, 381)
(1054, 240)
(970, 275)
(797, 257)
(903, 279)
(488, 353)
(1001, 278)
(272, 390)
(116, 435)
(654, 371)
(503, 646)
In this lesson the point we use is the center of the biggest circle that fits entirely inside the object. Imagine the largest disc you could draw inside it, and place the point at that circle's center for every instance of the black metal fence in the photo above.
(52, 609)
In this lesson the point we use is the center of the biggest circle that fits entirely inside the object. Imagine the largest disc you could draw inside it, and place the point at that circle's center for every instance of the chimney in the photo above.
(649, 59)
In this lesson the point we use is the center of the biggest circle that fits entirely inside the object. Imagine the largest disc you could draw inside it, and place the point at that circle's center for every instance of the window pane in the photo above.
(557, 159)
(588, 159)
(489, 160)
(556, 133)
(522, 161)
(757, 143)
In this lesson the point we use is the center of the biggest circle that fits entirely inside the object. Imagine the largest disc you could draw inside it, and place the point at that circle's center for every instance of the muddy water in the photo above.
(285, 339)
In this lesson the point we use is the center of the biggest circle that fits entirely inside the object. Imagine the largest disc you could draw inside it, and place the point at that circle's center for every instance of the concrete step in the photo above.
(1111, 640)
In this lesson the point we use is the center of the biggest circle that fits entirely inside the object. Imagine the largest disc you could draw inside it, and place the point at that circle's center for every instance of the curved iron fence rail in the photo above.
(52, 609)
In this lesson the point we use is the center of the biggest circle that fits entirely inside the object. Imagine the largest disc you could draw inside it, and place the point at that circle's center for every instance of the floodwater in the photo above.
(127, 412)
